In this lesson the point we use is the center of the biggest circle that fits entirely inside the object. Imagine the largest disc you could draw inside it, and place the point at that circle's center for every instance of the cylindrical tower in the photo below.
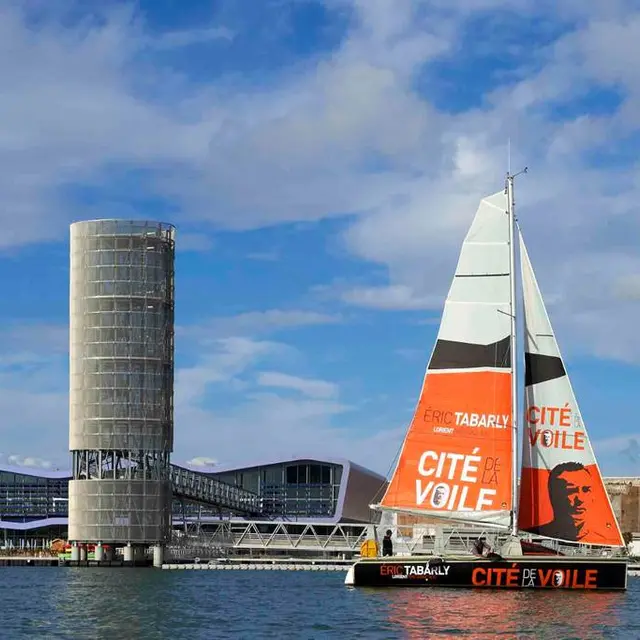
(121, 381)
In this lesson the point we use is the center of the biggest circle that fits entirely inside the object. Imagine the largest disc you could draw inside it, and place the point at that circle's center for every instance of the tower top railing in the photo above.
(119, 227)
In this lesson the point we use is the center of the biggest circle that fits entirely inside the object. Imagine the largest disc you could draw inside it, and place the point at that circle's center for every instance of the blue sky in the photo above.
(321, 160)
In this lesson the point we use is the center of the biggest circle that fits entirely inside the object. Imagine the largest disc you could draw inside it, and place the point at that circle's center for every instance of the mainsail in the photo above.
(562, 494)
(456, 459)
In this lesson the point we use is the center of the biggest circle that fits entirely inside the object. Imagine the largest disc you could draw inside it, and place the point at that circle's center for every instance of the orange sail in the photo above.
(562, 495)
(456, 460)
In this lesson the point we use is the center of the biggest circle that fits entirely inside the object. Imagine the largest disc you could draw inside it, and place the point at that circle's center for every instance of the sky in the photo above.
(322, 161)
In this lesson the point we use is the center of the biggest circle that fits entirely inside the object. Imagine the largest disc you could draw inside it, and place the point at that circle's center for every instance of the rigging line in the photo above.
(389, 470)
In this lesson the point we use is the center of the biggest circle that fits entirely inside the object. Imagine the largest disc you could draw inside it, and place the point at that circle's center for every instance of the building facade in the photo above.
(329, 489)
(625, 500)
(33, 506)
(121, 381)
(34, 503)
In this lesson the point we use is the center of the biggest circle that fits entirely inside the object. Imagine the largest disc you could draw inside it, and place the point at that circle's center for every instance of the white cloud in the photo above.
(223, 411)
(619, 455)
(202, 461)
(266, 426)
(344, 133)
(34, 397)
(179, 39)
(306, 386)
(39, 337)
(28, 461)
(395, 297)
(264, 256)
(254, 323)
(69, 111)
(34, 421)
(33, 393)
(194, 242)
(78, 104)
(628, 287)
(224, 363)
(577, 219)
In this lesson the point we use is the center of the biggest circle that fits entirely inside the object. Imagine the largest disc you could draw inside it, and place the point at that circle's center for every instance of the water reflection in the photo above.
(443, 613)
(107, 603)
(141, 604)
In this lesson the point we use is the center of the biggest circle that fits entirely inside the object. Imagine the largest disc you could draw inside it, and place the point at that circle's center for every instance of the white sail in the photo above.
(562, 494)
(456, 460)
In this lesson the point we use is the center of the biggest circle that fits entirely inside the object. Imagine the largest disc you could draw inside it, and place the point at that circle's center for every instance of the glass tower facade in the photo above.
(121, 377)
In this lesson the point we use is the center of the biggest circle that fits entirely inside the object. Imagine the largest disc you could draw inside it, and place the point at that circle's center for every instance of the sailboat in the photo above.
(458, 462)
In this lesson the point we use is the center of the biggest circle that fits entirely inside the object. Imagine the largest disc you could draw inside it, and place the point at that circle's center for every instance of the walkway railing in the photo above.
(191, 485)
(268, 536)
(210, 538)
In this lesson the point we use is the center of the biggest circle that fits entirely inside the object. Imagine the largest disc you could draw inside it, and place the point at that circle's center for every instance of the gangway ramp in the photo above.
(199, 487)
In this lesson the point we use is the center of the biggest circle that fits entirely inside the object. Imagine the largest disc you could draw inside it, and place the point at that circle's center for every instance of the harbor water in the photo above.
(79, 603)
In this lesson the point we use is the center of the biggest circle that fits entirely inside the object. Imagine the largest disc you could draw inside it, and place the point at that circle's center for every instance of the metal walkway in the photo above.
(262, 537)
(210, 539)
(198, 487)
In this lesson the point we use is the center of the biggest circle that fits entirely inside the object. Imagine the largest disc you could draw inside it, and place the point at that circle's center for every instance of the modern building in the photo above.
(303, 489)
(121, 383)
(320, 492)
(33, 506)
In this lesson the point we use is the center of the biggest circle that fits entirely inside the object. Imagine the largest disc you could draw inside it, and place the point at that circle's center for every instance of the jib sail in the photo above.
(562, 494)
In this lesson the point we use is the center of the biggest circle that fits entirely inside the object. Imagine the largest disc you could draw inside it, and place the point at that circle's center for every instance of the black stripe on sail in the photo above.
(466, 355)
(539, 368)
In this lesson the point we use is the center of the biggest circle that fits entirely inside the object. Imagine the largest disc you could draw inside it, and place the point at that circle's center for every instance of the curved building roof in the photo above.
(358, 487)
(227, 468)
(38, 472)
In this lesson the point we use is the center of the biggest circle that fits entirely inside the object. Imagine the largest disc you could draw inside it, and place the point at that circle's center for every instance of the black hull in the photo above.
(552, 572)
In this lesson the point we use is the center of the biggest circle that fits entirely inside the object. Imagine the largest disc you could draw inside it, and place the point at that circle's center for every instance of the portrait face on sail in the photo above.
(571, 495)
(572, 492)
(438, 496)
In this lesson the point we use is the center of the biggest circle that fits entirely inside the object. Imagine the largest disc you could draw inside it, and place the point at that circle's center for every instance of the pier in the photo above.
(262, 564)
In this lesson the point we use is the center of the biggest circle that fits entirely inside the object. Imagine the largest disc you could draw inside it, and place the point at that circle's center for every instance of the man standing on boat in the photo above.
(387, 544)
(570, 488)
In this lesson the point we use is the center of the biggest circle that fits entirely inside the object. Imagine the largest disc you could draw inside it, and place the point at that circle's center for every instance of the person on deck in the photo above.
(482, 549)
(480, 546)
(387, 544)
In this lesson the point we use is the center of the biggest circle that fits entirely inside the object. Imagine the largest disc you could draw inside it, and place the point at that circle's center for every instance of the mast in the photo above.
(511, 207)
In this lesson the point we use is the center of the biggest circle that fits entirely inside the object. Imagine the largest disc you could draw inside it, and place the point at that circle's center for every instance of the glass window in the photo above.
(106, 258)
(273, 475)
(315, 474)
(106, 304)
(292, 475)
(107, 273)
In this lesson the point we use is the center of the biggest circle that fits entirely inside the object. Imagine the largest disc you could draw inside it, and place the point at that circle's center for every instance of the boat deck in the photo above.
(523, 558)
